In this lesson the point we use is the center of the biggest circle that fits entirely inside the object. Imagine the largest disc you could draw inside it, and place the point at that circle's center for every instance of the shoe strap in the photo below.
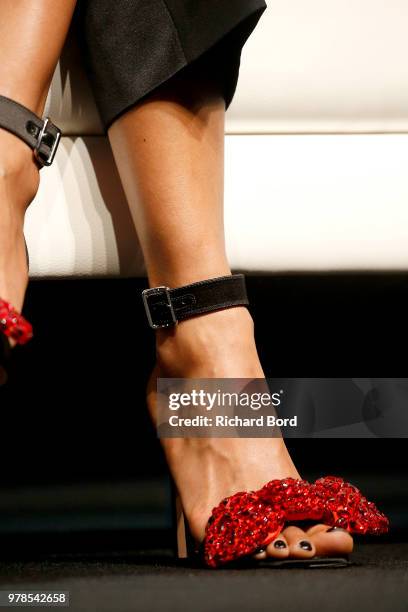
(39, 134)
(165, 307)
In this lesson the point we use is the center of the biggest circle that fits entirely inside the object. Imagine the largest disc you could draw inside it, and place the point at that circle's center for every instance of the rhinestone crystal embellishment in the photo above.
(247, 521)
(13, 324)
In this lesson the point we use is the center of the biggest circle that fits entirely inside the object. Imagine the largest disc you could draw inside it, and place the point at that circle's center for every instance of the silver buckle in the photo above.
(47, 143)
(158, 293)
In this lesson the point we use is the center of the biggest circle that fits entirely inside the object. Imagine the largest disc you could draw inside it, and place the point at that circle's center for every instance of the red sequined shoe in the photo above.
(247, 521)
(43, 137)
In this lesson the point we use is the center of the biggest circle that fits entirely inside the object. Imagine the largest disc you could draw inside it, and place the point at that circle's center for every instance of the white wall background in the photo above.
(316, 153)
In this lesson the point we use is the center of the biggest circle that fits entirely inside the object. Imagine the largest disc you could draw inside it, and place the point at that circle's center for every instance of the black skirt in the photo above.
(133, 46)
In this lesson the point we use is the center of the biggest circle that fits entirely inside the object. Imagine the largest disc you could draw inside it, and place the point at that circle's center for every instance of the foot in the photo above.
(222, 345)
(19, 180)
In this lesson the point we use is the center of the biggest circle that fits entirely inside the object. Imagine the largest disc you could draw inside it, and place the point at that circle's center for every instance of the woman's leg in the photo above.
(32, 33)
(169, 150)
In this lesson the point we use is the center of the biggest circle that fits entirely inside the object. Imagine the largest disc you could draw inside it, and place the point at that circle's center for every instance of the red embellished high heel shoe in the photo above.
(43, 137)
(248, 521)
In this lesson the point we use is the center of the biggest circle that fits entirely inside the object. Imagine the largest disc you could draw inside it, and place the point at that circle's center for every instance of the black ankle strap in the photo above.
(165, 306)
(40, 134)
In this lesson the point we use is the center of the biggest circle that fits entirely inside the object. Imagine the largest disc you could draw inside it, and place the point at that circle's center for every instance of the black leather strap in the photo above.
(165, 306)
(39, 134)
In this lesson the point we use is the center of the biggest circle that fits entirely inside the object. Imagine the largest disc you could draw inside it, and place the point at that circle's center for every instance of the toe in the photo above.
(300, 544)
(260, 554)
(330, 541)
(278, 548)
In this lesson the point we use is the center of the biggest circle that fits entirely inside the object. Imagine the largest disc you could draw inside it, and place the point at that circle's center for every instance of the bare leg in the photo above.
(32, 33)
(169, 150)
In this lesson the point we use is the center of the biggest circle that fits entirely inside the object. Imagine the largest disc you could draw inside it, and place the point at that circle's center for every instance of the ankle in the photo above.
(216, 344)
(19, 175)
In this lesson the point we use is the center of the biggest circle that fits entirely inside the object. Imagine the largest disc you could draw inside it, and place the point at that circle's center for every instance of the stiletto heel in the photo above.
(43, 137)
(250, 520)
(182, 549)
(183, 544)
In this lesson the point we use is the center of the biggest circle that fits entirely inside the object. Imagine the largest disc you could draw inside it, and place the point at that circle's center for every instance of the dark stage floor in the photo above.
(153, 581)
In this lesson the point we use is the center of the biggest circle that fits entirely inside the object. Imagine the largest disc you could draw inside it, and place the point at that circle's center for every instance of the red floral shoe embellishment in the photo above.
(244, 522)
(13, 324)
